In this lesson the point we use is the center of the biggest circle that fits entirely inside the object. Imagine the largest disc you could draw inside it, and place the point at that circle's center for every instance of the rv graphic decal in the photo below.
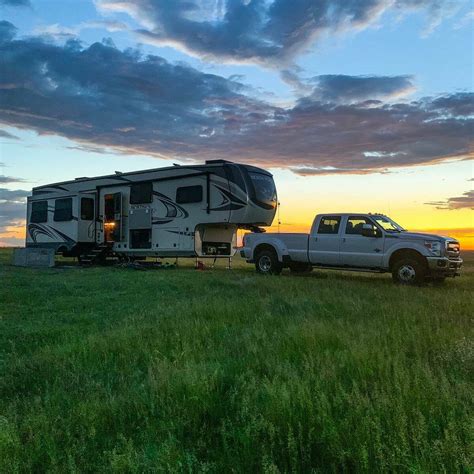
(177, 232)
(173, 210)
(230, 202)
(37, 229)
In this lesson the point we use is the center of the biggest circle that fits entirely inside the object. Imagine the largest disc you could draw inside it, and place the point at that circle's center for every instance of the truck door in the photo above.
(325, 241)
(358, 250)
(113, 217)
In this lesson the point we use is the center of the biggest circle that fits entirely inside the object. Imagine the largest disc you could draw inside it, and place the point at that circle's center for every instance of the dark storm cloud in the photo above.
(261, 31)
(102, 97)
(466, 201)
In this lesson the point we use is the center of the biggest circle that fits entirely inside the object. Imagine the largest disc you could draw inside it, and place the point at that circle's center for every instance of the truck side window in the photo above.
(63, 210)
(356, 223)
(39, 212)
(329, 225)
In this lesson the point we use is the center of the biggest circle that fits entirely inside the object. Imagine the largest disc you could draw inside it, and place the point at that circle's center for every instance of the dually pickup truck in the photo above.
(360, 242)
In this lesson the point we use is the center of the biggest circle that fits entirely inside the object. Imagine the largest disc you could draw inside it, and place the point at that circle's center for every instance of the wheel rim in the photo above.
(406, 273)
(265, 263)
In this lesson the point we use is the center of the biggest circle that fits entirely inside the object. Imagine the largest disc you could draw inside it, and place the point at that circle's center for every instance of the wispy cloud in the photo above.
(466, 201)
(101, 96)
(9, 179)
(10, 136)
(58, 31)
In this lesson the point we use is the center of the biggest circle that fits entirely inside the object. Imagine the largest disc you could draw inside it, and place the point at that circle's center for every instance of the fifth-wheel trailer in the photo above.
(178, 211)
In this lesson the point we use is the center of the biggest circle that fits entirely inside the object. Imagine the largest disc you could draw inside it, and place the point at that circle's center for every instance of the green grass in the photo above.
(119, 370)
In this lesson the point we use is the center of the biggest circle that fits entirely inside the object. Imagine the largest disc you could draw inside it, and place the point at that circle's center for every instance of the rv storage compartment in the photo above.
(140, 239)
(217, 240)
(216, 248)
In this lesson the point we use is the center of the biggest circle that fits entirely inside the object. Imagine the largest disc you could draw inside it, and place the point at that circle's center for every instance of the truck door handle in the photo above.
(377, 250)
(343, 239)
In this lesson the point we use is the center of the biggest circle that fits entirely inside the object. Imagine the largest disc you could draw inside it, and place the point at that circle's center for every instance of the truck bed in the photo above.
(296, 243)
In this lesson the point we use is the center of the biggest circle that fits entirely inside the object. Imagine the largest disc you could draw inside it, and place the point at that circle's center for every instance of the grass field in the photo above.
(119, 370)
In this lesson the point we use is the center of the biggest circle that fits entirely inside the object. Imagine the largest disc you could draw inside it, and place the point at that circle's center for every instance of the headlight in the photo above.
(433, 247)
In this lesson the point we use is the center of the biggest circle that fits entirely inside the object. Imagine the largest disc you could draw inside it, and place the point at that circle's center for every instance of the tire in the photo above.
(300, 268)
(267, 263)
(409, 271)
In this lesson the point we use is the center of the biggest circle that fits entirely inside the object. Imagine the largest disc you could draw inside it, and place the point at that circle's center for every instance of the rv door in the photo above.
(113, 217)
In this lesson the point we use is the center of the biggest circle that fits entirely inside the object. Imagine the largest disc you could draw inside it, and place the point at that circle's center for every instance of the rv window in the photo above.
(39, 212)
(87, 209)
(141, 193)
(264, 187)
(63, 210)
(188, 194)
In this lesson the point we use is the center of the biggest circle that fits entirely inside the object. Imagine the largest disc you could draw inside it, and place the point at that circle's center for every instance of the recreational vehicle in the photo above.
(188, 211)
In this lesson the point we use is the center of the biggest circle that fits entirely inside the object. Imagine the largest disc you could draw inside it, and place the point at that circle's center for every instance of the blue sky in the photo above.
(263, 85)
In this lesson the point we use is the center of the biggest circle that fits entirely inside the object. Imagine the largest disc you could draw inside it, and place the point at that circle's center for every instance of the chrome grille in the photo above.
(453, 249)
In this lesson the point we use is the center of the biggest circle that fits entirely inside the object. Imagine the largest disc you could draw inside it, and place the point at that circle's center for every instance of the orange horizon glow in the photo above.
(465, 235)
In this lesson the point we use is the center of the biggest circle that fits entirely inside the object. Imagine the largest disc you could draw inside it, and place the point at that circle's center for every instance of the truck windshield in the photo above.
(387, 224)
(264, 187)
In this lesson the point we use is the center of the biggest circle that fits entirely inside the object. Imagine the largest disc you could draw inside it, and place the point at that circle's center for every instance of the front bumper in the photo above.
(444, 266)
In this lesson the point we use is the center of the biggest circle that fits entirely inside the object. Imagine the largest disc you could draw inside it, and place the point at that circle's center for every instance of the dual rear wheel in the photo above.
(267, 263)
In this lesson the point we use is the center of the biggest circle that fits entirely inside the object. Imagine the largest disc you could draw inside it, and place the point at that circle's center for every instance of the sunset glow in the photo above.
(370, 110)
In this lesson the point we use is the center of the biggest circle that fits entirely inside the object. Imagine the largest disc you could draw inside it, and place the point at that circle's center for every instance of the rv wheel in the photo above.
(267, 263)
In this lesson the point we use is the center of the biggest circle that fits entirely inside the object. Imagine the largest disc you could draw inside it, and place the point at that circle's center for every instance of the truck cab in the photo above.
(359, 242)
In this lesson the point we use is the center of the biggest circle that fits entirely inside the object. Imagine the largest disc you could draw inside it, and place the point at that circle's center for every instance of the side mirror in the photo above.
(369, 231)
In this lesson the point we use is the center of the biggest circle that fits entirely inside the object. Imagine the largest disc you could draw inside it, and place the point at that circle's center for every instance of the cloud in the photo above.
(7, 31)
(59, 32)
(327, 170)
(348, 89)
(103, 97)
(17, 195)
(466, 20)
(12, 208)
(15, 3)
(466, 201)
(259, 31)
(5, 134)
(9, 179)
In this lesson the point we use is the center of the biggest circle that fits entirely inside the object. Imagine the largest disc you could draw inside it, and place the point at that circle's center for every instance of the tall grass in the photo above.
(116, 370)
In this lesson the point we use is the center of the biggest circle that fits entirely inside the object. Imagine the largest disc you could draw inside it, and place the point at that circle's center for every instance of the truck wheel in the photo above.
(267, 263)
(300, 268)
(409, 271)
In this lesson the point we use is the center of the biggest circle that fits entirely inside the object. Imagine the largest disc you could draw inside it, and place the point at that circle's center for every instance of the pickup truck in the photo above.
(360, 242)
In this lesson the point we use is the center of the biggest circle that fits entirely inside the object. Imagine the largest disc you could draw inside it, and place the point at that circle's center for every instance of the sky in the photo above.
(354, 106)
